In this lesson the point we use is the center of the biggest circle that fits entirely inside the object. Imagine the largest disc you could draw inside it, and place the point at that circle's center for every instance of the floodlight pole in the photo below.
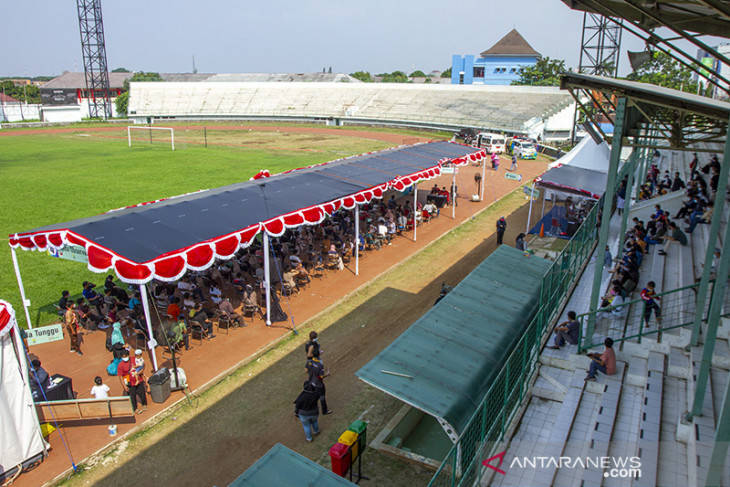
(357, 239)
(151, 344)
(415, 209)
(20, 286)
(267, 278)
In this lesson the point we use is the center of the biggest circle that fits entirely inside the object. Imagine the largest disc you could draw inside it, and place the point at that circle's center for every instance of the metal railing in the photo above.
(628, 320)
(488, 425)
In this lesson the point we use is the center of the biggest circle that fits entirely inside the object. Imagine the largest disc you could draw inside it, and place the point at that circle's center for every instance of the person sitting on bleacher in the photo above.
(674, 234)
(677, 182)
(605, 362)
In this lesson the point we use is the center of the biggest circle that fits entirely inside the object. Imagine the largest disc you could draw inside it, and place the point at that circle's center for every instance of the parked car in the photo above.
(492, 142)
(522, 148)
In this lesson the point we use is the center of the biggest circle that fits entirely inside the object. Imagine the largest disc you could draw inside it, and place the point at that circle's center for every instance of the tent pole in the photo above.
(453, 192)
(20, 347)
(146, 306)
(20, 286)
(484, 175)
(544, 195)
(415, 209)
(357, 239)
(267, 278)
(529, 212)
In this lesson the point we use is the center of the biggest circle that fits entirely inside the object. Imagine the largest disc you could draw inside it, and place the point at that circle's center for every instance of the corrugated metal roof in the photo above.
(281, 466)
(78, 81)
(448, 359)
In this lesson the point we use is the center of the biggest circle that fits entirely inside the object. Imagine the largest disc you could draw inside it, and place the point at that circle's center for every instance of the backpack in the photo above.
(109, 344)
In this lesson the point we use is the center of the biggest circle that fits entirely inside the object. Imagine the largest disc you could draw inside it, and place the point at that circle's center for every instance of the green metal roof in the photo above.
(449, 357)
(282, 466)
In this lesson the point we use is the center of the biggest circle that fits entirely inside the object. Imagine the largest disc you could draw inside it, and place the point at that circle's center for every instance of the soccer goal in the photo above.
(150, 129)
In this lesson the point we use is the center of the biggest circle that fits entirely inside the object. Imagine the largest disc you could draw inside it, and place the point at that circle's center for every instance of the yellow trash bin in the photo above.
(349, 438)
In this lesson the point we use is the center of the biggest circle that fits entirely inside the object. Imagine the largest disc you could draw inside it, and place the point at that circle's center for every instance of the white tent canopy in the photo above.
(21, 440)
(587, 155)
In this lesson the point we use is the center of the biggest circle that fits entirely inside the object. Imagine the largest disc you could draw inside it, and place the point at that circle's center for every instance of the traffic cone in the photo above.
(542, 230)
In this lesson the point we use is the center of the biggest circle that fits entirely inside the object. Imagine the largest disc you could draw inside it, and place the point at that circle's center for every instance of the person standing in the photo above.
(100, 390)
(133, 382)
(513, 167)
(495, 161)
(478, 181)
(648, 294)
(307, 411)
(72, 327)
(316, 375)
(312, 346)
(501, 227)
(520, 243)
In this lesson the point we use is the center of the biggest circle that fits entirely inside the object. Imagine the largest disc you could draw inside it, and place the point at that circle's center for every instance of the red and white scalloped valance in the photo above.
(7, 318)
(172, 265)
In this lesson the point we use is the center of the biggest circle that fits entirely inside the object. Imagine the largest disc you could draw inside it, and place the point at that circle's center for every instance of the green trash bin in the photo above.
(361, 428)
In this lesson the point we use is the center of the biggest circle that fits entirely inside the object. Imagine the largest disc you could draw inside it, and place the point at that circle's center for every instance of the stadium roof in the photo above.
(163, 239)
(445, 363)
(281, 466)
(669, 118)
(513, 44)
(73, 81)
(710, 17)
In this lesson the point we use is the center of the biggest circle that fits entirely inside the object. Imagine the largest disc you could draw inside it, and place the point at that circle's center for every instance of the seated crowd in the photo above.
(191, 306)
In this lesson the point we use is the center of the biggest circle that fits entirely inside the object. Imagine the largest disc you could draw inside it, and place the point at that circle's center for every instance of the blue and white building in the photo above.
(498, 65)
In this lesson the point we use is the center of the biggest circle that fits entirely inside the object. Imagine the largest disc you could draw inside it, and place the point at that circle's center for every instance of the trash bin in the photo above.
(340, 458)
(349, 438)
(361, 428)
(159, 383)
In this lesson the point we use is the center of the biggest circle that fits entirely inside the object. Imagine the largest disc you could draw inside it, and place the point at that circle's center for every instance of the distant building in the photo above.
(498, 65)
(7, 99)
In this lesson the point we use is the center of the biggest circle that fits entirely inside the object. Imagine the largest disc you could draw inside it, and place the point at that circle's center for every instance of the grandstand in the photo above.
(515, 109)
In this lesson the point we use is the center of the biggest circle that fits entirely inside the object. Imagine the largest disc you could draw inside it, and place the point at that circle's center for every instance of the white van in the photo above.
(492, 142)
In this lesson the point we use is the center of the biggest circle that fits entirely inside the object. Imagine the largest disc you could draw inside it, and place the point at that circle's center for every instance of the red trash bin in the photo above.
(340, 458)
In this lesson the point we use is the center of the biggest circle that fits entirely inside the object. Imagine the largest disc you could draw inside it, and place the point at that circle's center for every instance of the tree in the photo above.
(122, 104)
(362, 76)
(663, 70)
(395, 77)
(142, 76)
(446, 73)
(121, 70)
(22, 93)
(546, 72)
(418, 74)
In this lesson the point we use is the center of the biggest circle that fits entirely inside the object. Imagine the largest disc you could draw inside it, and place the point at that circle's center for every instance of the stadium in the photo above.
(475, 389)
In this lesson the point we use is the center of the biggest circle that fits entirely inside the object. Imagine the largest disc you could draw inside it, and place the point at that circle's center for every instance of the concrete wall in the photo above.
(18, 112)
(498, 70)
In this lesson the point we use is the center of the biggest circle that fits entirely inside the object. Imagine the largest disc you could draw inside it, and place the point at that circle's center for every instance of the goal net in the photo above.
(146, 134)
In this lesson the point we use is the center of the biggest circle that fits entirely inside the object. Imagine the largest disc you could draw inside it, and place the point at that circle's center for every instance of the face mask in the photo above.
(125, 359)
(314, 339)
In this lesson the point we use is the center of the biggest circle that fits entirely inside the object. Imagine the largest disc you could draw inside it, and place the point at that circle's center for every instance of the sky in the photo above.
(286, 36)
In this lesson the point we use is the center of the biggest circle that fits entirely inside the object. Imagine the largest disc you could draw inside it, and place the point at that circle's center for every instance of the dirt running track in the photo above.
(363, 134)
(214, 446)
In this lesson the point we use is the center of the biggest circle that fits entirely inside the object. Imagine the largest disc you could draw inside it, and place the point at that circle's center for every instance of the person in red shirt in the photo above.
(648, 294)
(132, 381)
(173, 309)
(605, 362)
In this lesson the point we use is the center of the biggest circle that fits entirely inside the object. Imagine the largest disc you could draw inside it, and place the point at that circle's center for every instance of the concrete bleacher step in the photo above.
(721, 355)
(650, 421)
(700, 445)
(561, 430)
(678, 363)
(637, 371)
(550, 383)
(604, 423)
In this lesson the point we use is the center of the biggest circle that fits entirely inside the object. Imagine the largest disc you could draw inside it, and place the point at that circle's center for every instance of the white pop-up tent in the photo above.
(21, 440)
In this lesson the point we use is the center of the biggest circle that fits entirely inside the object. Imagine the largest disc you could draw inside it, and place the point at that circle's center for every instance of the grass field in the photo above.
(51, 178)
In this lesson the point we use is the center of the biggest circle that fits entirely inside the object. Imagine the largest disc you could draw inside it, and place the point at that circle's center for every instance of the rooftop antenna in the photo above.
(195, 70)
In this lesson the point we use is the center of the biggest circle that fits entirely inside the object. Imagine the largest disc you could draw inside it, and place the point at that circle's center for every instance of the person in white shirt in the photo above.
(100, 390)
